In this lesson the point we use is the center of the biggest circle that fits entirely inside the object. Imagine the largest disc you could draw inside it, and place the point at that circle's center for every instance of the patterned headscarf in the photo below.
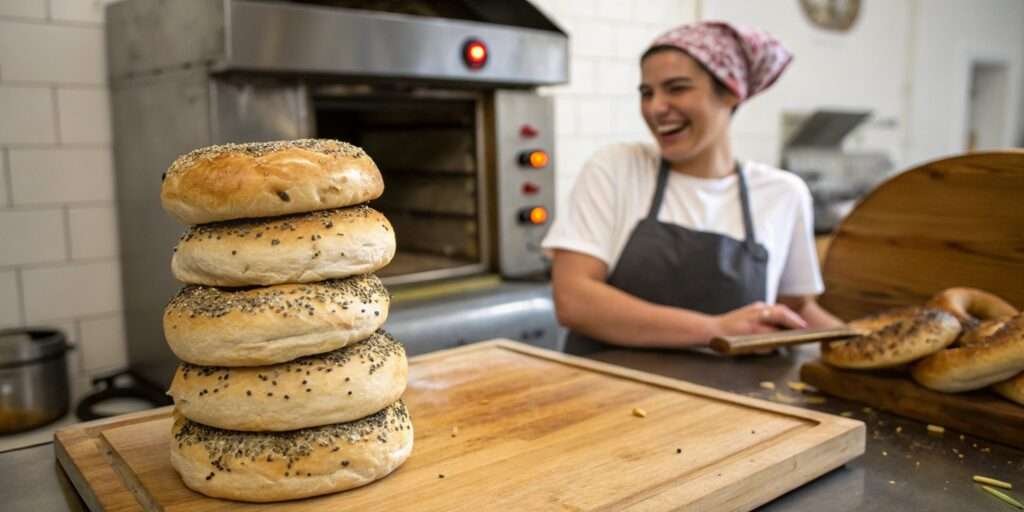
(744, 59)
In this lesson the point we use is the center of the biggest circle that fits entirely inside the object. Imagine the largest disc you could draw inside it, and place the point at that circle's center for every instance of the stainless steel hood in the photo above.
(311, 38)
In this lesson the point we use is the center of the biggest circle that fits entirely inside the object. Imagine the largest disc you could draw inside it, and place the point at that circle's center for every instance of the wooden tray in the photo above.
(980, 413)
(536, 430)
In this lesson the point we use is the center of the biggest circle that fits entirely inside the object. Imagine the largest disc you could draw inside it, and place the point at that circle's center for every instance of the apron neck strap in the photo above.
(659, 194)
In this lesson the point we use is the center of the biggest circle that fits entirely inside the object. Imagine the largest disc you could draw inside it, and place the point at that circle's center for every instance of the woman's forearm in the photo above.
(599, 310)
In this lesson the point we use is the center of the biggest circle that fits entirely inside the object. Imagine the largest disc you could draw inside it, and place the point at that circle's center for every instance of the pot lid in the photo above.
(24, 344)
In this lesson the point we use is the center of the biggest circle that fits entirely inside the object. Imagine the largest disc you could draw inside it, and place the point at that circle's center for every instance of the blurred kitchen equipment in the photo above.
(441, 94)
(836, 179)
(33, 378)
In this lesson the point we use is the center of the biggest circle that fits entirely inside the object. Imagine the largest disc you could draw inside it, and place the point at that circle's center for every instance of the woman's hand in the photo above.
(757, 318)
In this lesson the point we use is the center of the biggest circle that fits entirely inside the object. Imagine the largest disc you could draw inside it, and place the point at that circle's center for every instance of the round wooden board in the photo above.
(952, 222)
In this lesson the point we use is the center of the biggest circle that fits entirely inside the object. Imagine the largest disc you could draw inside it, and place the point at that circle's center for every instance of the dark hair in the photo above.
(719, 87)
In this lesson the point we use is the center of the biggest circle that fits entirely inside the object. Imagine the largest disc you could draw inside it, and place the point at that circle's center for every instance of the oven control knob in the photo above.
(533, 215)
(530, 188)
(528, 131)
(534, 159)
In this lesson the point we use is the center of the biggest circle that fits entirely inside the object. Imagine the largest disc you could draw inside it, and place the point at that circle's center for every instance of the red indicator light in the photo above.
(530, 188)
(528, 131)
(474, 52)
(535, 159)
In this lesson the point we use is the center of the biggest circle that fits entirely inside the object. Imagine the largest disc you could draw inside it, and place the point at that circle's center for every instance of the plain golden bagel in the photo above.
(267, 179)
(968, 304)
(996, 358)
(277, 466)
(1012, 389)
(334, 387)
(893, 338)
(211, 326)
(301, 248)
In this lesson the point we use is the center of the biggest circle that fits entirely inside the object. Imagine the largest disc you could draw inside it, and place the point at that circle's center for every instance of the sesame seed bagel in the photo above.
(893, 338)
(334, 387)
(291, 249)
(277, 466)
(994, 359)
(1012, 389)
(211, 326)
(266, 179)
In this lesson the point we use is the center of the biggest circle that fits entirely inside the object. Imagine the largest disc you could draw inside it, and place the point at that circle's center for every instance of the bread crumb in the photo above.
(885, 453)
(768, 384)
(846, 414)
(639, 413)
(455, 430)
(899, 429)
(815, 400)
(800, 386)
(892, 482)
(935, 429)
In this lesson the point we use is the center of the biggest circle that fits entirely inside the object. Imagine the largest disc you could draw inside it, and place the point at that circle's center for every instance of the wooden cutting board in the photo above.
(512, 427)
(979, 413)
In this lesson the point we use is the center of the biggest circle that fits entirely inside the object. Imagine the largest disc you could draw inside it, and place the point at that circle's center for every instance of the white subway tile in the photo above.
(632, 40)
(72, 290)
(32, 236)
(594, 39)
(595, 116)
(103, 343)
(582, 75)
(24, 8)
(664, 13)
(60, 175)
(27, 115)
(628, 122)
(565, 115)
(93, 232)
(10, 300)
(618, 77)
(84, 116)
(52, 53)
(87, 11)
(618, 10)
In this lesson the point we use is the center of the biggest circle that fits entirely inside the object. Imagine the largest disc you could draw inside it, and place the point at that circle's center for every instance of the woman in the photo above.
(672, 245)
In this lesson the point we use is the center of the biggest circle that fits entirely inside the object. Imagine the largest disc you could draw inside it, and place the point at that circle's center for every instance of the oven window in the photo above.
(426, 150)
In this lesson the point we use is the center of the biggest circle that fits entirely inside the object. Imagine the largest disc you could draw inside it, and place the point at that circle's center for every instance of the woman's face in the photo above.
(680, 105)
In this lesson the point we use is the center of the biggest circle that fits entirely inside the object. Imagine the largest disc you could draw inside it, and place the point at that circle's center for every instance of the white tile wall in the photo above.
(24, 8)
(10, 303)
(61, 175)
(29, 51)
(84, 115)
(28, 115)
(72, 290)
(93, 232)
(32, 236)
(103, 343)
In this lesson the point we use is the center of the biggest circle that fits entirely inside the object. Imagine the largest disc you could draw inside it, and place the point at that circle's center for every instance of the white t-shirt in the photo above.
(614, 192)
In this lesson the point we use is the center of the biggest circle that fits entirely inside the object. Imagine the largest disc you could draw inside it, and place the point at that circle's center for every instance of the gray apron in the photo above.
(675, 266)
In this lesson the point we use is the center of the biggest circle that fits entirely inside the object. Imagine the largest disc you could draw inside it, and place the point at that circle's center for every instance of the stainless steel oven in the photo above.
(446, 106)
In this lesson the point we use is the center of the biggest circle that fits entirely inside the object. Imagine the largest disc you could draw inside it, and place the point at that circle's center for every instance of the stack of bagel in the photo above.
(288, 387)
(962, 339)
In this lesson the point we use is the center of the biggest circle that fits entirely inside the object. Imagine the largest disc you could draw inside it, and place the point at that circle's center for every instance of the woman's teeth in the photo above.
(669, 129)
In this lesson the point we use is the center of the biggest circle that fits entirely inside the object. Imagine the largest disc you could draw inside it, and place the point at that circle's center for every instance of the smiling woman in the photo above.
(670, 245)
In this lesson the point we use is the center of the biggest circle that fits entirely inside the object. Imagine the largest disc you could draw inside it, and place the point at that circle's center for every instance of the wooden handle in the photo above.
(754, 342)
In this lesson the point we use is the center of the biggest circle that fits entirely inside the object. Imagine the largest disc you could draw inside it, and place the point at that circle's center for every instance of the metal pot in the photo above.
(33, 378)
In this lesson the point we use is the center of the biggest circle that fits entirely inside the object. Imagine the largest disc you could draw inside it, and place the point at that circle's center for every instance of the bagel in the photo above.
(971, 303)
(996, 358)
(1012, 389)
(300, 248)
(334, 387)
(893, 338)
(276, 466)
(267, 179)
(210, 326)
(977, 331)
